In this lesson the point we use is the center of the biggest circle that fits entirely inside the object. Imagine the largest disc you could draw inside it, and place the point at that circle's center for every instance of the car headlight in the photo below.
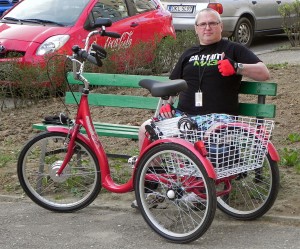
(52, 44)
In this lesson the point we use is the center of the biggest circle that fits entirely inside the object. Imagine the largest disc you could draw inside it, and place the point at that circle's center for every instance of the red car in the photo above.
(32, 29)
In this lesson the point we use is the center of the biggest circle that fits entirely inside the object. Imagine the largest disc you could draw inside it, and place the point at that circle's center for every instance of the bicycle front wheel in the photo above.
(38, 163)
(174, 193)
(252, 193)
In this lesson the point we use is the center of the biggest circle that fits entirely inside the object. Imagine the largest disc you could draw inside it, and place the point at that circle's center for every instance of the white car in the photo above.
(243, 19)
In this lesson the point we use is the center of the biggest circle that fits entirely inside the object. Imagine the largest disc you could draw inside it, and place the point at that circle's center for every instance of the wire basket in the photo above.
(235, 144)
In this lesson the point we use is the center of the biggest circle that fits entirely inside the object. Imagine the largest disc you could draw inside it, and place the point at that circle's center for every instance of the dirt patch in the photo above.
(15, 129)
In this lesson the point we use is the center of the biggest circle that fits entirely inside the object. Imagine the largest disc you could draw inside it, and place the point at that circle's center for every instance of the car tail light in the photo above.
(216, 6)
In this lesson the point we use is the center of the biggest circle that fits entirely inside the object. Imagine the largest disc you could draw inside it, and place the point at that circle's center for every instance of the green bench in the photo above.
(258, 109)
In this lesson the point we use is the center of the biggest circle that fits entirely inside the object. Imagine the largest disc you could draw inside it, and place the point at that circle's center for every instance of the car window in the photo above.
(115, 10)
(144, 5)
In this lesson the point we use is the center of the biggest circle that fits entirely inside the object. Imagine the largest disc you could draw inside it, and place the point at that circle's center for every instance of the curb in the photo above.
(288, 220)
(118, 206)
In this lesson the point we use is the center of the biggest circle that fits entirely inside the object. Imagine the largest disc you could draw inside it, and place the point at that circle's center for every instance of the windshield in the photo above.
(63, 12)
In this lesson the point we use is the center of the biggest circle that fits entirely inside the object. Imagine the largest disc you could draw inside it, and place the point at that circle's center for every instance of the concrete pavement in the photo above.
(27, 226)
(122, 202)
(291, 56)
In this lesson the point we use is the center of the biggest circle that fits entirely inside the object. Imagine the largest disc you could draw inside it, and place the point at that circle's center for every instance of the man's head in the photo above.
(208, 26)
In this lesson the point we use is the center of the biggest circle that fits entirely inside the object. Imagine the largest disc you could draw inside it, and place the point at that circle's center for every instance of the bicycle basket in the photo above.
(235, 144)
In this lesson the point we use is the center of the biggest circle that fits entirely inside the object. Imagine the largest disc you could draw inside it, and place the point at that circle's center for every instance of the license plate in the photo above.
(181, 8)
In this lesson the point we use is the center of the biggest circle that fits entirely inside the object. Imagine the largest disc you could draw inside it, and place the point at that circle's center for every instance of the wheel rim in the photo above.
(244, 33)
(39, 167)
(250, 191)
(165, 202)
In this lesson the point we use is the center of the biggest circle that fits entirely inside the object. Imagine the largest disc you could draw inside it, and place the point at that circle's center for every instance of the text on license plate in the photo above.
(181, 8)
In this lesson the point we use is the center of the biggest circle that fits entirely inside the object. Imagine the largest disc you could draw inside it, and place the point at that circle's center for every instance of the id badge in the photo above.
(198, 99)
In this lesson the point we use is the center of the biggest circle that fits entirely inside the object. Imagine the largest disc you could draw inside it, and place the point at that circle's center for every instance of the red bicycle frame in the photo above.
(83, 119)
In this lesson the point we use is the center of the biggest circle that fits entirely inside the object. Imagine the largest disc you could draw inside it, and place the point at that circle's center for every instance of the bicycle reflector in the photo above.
(199, 145)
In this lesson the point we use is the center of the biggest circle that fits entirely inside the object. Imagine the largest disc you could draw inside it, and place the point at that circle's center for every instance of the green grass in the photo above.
(294, 137)
(5, 159)
(278, 66)
(290, 157)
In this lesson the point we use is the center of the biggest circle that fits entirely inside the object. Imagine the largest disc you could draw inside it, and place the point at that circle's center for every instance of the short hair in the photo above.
(208, 10)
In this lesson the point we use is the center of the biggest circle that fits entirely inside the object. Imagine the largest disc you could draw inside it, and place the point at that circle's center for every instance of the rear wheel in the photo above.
(253, 192)
(244, 32)
(174, 193)
(74, 189)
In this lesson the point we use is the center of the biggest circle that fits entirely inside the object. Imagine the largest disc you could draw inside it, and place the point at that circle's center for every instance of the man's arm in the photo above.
(257, 71)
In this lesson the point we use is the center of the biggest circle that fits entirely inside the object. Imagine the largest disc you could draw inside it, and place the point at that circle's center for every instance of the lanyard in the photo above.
(198, 94)
(199, 71)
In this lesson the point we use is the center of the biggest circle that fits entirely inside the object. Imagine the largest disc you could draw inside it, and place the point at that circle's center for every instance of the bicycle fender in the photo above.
(273, 152)
(67, 131)
(204, 160)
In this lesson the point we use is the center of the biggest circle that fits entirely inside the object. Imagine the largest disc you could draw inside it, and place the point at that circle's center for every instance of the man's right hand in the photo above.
(167, 111)
(227, 66)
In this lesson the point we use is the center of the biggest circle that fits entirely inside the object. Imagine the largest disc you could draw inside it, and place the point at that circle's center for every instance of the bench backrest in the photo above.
(260, 89)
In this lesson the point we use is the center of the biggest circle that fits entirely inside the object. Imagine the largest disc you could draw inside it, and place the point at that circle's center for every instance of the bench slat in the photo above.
(257, 110)
(113, 100)
(104, 130)
(121, 80)
(116, 126)
(258, 88)
(150, 103)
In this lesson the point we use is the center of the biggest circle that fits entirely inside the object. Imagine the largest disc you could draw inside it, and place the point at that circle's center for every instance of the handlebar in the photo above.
(93, 53)
(97, 53)
(82, 54)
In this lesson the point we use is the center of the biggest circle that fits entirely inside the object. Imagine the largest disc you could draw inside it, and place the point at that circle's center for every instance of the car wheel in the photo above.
(243, 32)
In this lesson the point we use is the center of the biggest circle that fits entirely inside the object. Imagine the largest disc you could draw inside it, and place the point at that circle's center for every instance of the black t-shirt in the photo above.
(200, 63)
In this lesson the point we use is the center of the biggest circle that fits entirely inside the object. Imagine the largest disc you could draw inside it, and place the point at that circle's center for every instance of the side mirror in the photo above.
(102, 22)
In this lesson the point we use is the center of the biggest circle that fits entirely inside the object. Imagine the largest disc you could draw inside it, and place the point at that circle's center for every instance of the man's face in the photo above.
(208, 28)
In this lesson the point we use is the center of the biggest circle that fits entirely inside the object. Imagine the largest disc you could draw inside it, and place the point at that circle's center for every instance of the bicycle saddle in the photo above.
(163, 88)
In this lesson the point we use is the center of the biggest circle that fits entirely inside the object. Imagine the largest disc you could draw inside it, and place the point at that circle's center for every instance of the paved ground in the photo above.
(280, 56)
(25, 225)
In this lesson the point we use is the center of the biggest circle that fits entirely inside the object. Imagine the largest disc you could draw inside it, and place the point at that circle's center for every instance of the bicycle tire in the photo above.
(38, 163)
(170, 207)
(253, 192)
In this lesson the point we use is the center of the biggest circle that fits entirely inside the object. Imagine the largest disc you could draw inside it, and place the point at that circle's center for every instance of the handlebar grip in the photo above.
(110, 34)
(113, 34)
(100, 52)
(84, 55)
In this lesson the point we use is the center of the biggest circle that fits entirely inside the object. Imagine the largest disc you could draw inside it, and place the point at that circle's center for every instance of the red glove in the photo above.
(167, 111)
(227, 67)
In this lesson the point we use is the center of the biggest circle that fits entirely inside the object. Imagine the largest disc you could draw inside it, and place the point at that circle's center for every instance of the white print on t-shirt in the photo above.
(206, 57)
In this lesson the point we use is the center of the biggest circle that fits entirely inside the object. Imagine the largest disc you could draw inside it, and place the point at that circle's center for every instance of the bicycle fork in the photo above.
(70, 149)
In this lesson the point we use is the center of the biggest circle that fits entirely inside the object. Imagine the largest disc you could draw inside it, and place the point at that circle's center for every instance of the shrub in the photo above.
(291, 21)
(26, 84)
(169, 50)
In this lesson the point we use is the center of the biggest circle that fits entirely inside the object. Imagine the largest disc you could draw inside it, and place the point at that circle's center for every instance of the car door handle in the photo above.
(134, 24)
